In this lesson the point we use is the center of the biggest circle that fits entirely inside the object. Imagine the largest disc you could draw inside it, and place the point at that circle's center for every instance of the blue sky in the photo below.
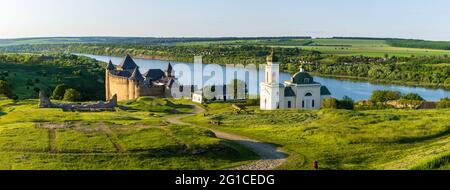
(422, 19)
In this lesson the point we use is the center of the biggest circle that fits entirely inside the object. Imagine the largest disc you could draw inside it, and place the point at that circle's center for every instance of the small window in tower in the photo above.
(289, 104)
(307, 80)
(313, 103)
(303, 104)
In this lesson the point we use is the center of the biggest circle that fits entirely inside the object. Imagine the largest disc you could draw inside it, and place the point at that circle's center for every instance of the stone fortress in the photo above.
(127, 82)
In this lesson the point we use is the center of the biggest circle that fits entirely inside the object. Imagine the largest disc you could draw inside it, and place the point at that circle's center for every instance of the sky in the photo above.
(419, 19)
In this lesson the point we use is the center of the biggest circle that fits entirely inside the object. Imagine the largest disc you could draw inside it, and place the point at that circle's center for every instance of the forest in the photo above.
(24, 75)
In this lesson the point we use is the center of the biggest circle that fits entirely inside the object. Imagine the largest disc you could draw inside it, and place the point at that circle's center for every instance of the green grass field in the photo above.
(141, 139)
(341, 47)
(341, 139)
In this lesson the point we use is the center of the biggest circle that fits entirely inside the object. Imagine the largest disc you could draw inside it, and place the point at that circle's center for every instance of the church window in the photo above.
(303, 104)
(289, 104)
(307, 80)
(313, 103)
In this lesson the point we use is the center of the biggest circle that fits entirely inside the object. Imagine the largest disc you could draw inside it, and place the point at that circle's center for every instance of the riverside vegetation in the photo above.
(407, 62)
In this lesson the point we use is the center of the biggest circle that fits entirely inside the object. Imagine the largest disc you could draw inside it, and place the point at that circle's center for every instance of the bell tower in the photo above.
(270, 88)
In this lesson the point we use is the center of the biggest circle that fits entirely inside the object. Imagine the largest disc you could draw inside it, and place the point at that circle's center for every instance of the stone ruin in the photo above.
(44, 102)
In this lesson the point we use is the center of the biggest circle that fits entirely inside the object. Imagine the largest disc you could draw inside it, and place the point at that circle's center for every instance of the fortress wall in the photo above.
(118, 85)
(157, 91)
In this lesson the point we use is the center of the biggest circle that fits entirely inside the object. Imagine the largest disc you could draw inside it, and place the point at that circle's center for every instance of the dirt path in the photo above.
(271, 157)
(111, 137)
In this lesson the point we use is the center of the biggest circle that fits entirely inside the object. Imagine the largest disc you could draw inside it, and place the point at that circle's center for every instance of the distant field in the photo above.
(341, 139)
(344, 47)
(50, 139)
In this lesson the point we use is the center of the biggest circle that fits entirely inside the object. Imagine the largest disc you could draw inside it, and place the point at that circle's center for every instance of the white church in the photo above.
(299, 93)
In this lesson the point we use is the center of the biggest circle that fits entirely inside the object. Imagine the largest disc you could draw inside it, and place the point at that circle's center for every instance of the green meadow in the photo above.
(342, 139)
(137, 139)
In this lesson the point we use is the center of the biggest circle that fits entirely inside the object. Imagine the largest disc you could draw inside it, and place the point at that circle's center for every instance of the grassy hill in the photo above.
(139, 139)
(341, 139)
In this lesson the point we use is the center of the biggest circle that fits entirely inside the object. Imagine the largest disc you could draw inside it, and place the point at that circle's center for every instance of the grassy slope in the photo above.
(340, 139)
(138, 139)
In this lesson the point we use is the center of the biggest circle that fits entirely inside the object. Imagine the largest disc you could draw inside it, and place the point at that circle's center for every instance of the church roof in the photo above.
(302, 78)
(154, 74)
(128, 63)
(324, 91)
(137, 76)
(288, 92)
(110, 66)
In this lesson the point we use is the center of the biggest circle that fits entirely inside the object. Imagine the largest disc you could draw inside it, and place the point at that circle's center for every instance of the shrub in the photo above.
(252, 102)
(331, 103)
(346, 103)
(71, 95)
(60, 90)
(444, 103)
(412, 96)
(384, 95)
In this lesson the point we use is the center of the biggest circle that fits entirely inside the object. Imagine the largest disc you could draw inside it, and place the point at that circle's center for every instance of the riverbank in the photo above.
(340, 77)
(383, 82)
(356, 89)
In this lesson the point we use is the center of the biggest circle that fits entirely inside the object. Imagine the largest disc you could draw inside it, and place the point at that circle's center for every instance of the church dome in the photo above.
(302, 78)
(273, 58)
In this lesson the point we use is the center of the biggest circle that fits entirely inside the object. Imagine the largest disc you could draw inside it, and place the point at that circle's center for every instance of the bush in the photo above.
(385, 95)
(71, 95)
(60, 90)
(5, 89)
(330, 103)
(444, 103)
(412, 96)
(346, 103)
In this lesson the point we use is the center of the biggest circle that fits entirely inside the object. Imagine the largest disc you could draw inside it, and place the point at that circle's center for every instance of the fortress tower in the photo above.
(127, 82)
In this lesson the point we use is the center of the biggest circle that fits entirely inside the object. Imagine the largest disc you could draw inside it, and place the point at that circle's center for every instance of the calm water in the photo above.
(355, 89)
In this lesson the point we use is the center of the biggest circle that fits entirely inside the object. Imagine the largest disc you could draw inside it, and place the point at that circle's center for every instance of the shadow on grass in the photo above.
(405, 140)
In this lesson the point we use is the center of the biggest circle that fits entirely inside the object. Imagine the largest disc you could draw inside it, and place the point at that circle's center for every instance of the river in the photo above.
(357, 90)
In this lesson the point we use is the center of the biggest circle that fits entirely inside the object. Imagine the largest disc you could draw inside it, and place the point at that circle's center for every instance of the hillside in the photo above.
(138, 139)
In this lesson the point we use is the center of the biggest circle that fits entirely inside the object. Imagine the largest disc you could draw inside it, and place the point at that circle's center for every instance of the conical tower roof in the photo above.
(110, 66)
(136, 76)
(128, 63)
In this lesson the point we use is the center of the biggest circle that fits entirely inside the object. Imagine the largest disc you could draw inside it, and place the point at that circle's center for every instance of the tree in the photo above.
(331, 103)
(71, 95)
(58, 93)
(240, 89)
(412, 96)
(5, 89)
(444, 103)
(384, 96)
